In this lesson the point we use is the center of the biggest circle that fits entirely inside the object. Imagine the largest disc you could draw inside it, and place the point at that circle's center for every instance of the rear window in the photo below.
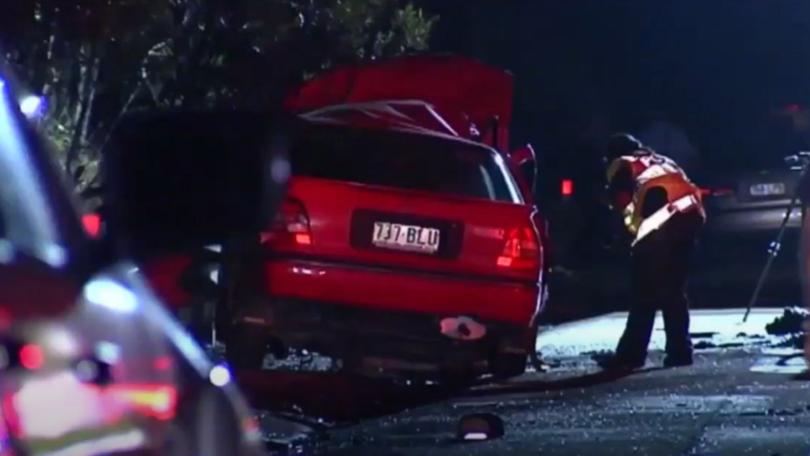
(402, 160)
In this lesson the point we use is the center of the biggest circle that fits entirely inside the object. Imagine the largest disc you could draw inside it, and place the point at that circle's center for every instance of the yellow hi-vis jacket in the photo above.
(649, 170)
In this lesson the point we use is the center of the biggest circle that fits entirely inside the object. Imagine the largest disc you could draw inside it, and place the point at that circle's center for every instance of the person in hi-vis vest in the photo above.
(663, 214)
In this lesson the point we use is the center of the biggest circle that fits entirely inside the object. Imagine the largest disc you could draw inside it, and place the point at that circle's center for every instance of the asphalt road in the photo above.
(742, 396)
(717, 406)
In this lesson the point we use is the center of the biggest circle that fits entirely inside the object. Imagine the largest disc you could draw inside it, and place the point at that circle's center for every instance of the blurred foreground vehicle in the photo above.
(408, 241)
(91, 362)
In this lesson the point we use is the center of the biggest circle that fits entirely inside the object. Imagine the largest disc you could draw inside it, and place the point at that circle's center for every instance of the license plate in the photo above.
(410, 238)
(773, 189)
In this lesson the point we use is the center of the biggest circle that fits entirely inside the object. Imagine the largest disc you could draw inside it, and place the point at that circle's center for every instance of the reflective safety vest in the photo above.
(649, 170)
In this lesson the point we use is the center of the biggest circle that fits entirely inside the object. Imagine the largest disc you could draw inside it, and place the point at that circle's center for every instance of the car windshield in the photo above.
(402, 160)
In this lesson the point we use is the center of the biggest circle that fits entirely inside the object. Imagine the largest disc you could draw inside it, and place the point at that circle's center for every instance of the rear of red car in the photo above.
(401, 251)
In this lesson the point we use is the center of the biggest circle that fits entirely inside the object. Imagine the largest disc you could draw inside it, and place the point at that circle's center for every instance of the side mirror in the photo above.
(526, 161)
(177, 180)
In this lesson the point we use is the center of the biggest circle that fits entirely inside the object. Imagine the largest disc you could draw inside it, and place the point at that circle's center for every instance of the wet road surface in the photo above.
(717, 406)
(741, 397)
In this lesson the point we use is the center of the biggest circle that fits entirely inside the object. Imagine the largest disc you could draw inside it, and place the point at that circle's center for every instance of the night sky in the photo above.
(716, 67)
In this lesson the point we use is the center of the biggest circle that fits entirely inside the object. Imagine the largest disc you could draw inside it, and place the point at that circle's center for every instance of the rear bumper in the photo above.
(483, 298)
(752, 220)
(392, 320)
(383, 340)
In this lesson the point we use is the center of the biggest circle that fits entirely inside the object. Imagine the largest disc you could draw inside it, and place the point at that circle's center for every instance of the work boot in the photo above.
(678, 361)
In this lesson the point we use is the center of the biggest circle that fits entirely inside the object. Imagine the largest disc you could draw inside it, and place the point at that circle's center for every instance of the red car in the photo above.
(409, 242)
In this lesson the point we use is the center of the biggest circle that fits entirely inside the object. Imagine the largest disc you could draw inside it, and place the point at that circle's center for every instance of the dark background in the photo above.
(720, 69)
(585, 67)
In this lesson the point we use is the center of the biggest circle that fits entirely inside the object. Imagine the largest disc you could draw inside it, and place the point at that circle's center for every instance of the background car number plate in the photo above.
(405, 237)
(768, 189)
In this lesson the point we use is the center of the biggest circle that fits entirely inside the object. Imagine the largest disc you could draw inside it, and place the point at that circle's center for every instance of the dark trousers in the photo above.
(661, 265)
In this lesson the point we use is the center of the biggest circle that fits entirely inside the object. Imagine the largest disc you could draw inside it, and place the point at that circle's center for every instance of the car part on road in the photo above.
(480, 427)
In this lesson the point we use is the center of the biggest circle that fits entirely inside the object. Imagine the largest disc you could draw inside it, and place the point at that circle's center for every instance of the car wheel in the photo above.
(508, 365)
(246, 347)
(459, 378)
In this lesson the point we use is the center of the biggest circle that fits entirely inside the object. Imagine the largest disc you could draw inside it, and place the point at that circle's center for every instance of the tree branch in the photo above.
(81, 112)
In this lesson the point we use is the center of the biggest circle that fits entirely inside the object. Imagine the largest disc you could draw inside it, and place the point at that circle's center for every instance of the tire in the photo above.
(459, 378)
(245, 347)
(458, 382)
(508, 365)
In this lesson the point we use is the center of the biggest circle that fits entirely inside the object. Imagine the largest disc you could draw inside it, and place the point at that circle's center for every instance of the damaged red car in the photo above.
(408, 242)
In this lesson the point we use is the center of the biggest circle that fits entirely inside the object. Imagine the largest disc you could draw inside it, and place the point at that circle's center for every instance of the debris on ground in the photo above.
(703, 335)
(790, 322)
(302, 360)
(598, 353)
(601, 356)
(479, 427)
(795, 340)
(704, 345)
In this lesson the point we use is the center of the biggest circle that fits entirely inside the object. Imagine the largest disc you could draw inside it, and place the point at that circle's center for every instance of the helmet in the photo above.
(622, 144)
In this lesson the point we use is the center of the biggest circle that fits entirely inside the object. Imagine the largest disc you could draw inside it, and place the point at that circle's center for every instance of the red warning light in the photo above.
(567, 187)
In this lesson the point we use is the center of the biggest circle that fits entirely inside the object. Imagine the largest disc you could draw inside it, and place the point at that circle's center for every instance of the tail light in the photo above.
(719, 191)
(567, 187)
(291, 226)
(521, 250)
